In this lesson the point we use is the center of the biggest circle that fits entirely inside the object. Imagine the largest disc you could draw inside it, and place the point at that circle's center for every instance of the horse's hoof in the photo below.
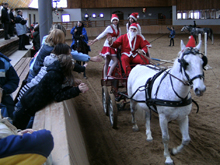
(173, 151)
(85, 77)
(135, 129)
(149, 140)
(169, 161)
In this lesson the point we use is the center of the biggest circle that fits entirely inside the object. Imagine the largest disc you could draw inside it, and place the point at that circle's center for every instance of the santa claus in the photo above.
(133, 48)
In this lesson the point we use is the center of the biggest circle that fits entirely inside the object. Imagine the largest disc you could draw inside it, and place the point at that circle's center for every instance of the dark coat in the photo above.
(36, 40)
(5, 15)
(9, 81)
(48, 90)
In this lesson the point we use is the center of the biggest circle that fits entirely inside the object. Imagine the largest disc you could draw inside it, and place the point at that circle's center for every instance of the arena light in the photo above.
(93, 15)
(101, 15)
(86, 15)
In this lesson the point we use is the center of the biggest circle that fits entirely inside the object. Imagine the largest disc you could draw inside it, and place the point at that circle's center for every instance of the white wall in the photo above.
(26, 13)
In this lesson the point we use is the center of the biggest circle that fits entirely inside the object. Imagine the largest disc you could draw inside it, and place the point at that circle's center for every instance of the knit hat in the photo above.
(133, 25)
(114, 16)
(134, 16)
(191, 42)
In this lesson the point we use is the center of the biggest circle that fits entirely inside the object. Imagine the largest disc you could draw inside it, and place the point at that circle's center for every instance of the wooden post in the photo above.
(199, 38)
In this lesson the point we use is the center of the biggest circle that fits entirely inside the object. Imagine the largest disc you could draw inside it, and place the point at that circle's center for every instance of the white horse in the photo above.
(170, 93)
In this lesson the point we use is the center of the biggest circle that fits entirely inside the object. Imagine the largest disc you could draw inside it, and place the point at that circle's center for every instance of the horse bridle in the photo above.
(183, 64)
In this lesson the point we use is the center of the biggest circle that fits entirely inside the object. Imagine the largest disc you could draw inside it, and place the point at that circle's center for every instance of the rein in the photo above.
(149, 84)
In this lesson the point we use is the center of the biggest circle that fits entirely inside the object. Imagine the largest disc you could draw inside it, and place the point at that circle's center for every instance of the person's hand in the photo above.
(81, 35)
(75, 30)
(140, 52)
(83, 87)
(30, 131)
(96, 59)
(78, 81)
(85, 65)
(91, 42)
(109, 37)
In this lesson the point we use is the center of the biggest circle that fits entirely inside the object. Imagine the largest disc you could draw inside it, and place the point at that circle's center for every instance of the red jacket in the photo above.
(126, 48)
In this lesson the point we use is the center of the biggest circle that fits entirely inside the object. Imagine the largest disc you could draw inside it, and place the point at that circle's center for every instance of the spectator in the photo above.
(133, 48)
(47, 48)
(12, 23)
(36, 38)
(8, 83)
(194, 24)
(5, 20)
(21, 29)
(48, 60)
(79, 32)
(172, 35)
(24, 147)
(49, 89)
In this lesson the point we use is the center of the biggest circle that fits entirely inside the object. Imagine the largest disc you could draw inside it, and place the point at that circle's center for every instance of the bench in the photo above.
(61, 119)
(22, 69)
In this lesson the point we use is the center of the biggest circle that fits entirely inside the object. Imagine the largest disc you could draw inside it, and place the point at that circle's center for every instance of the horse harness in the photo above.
(152, 102)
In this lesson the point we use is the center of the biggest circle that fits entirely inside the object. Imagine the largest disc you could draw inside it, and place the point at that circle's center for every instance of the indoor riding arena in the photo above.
(123, 146)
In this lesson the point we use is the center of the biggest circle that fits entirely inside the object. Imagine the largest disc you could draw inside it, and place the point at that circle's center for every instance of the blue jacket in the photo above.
(9, 81)
(172, 33)
(84, 33)
(20, 24)
(29, 148)
(44, 51)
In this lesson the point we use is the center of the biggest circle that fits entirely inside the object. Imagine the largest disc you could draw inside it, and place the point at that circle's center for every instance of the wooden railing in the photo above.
(104, 23)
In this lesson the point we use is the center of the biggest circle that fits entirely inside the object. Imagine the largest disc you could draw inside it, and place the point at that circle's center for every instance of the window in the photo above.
(65, 18)
(199, 14)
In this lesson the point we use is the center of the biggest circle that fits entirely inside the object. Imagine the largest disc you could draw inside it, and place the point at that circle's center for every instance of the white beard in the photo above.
(131, 35)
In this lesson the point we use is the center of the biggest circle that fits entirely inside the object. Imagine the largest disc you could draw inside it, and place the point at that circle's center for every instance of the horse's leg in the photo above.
(184, 128)
(165, 138)
(133, 105)
(148, 131)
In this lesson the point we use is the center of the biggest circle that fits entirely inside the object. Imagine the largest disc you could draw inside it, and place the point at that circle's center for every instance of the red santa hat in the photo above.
(114, 16)
(134, 16)
(191, 42)
(133, 25)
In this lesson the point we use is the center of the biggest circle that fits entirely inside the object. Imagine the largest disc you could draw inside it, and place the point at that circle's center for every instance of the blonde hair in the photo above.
(56, 36)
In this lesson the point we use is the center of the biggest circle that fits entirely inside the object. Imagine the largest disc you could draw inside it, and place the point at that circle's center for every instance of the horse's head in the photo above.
(191, 66)
(183, 29)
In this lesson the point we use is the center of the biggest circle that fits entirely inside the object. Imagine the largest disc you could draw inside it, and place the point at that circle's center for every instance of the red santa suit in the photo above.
(114, 32)
(134, 16)
(129, 53)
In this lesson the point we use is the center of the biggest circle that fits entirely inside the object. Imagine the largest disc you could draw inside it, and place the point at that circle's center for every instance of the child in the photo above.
(172, 34)
(107, 52)
(49, 89)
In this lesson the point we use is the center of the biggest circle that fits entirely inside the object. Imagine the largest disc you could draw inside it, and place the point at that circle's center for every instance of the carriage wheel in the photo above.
(105, 99)
(113, 111)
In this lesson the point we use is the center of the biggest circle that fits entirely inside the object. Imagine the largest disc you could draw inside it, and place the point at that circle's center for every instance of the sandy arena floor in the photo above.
(122, 146)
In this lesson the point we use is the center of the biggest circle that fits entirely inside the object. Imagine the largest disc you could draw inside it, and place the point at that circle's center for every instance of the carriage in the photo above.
(114, 90)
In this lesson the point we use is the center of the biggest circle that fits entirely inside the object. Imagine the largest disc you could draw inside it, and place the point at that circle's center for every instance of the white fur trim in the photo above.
(133, 17)
(114, 18)
(133, 27)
